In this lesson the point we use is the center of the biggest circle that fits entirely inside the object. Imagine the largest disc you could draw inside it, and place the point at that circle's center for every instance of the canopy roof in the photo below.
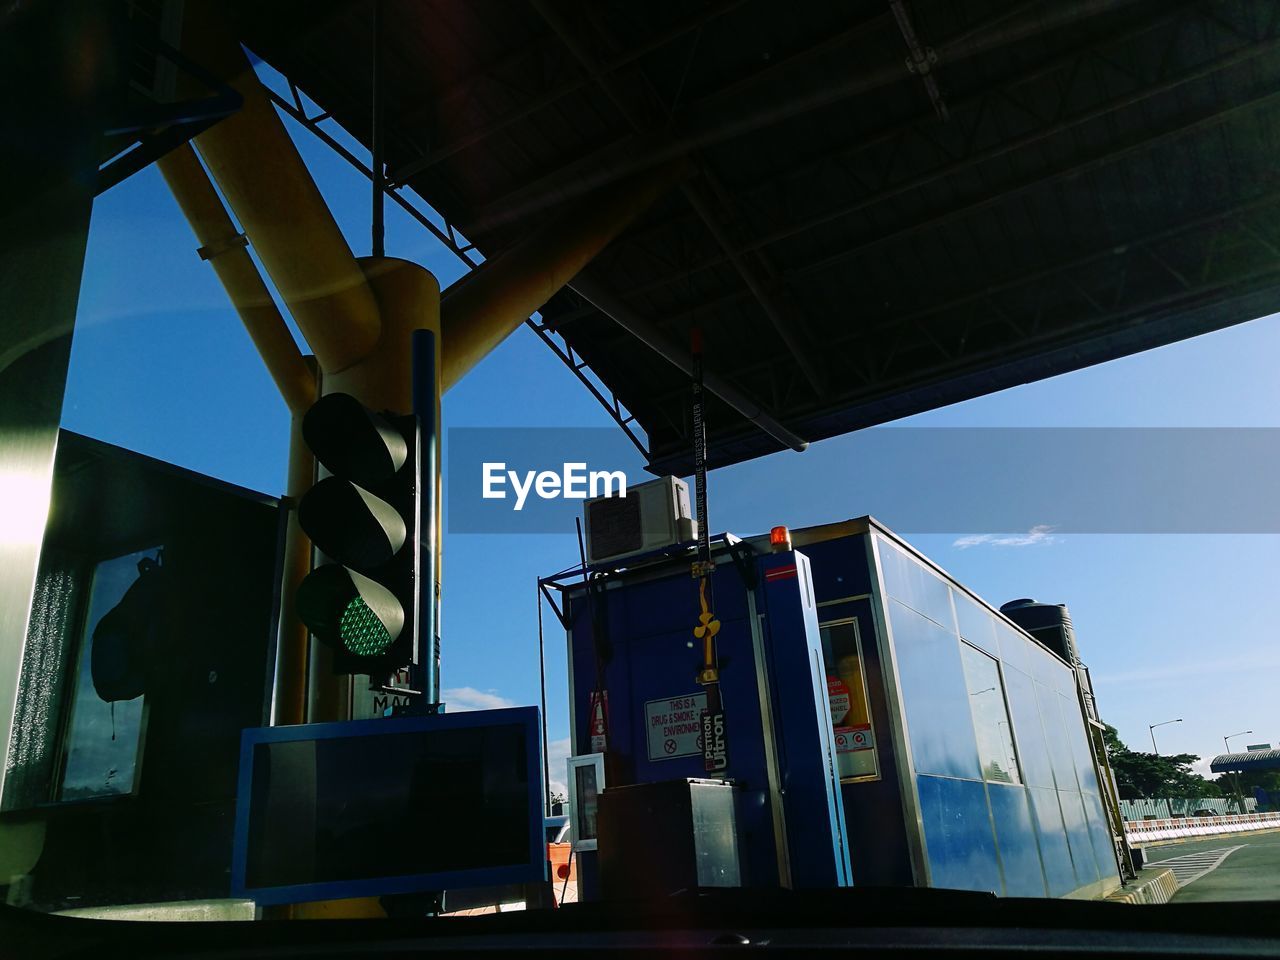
(1253, 760)
(892, 206)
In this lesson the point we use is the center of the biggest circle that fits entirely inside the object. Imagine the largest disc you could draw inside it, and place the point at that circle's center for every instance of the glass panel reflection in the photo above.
(975, 622)
(1019, 851)
(1037, 769)
(1055, 734)
(914, 584)
(1058, 869)
(1015, 649)
(934, 695)
(990, 717)
(104, 738)
(957, 834)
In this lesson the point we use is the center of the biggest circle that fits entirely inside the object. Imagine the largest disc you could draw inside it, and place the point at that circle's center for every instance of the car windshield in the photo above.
(467, 458)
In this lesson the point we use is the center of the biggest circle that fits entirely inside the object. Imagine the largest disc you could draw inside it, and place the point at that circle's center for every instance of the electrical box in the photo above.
(657, 839)
(651, 516)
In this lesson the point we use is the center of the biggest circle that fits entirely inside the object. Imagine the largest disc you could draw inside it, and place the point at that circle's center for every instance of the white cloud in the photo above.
(1201, 767)
(1039, 534)
(461, 699)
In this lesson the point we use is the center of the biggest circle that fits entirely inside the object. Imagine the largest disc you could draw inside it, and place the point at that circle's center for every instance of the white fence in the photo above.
(1152, 831)
(1161, 807)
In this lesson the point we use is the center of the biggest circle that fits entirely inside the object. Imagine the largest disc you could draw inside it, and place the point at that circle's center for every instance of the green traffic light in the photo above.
(362, 632)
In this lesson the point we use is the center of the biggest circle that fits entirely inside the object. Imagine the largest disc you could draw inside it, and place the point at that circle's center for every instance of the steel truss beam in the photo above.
(467, 253)
(757, 278)
(558, 92)
(1229, 229)
(887, 189)
(1108, 294)
(708, 121)
(160, 127)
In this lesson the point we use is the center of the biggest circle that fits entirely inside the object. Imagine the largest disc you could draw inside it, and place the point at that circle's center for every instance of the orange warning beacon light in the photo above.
(780, 539)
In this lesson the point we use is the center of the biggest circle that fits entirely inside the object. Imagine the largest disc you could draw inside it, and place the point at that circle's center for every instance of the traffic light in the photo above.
(364, 517)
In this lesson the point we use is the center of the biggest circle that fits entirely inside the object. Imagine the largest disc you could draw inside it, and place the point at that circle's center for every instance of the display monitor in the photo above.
(393, 805)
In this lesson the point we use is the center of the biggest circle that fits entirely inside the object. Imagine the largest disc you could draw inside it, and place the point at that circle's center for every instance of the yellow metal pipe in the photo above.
(222, 245)
(273, 196)
(290, 701)
(408, 299)
(482, 309)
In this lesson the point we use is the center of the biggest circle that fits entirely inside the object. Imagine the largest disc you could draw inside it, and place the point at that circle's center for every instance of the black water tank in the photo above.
(1050, 623)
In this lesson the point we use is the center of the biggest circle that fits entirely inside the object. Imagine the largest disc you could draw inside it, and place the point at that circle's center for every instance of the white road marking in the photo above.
(1190, 867)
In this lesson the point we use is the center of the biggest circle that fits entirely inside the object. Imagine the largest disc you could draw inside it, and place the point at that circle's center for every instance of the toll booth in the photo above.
(635, 699)
(958, 744)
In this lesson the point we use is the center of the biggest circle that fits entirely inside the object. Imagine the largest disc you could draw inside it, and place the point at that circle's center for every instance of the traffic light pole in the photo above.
(426, 407)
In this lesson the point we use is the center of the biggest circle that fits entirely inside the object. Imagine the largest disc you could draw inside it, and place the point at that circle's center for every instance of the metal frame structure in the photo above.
(991, 196)
(469, 255)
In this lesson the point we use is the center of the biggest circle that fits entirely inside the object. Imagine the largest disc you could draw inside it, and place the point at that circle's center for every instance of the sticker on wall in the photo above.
(852, 739)
(674, 726)
(598, 707)
(838, 695)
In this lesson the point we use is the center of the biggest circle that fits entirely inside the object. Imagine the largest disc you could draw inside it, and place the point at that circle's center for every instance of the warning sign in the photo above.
(838, 694)
(675, 726)
(851, 739)
(598, 707)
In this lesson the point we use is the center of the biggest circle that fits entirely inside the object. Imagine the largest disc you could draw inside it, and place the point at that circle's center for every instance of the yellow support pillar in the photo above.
(224, 247)
(266, 183)
(408, 299)
(295, 376)
(483, 308)
(290, 701)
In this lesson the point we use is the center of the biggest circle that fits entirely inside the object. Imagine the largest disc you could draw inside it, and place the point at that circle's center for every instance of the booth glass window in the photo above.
(975, 622)
(990, 716)
(915, 585)
(586, 783)
(103, 743)
(847, 693)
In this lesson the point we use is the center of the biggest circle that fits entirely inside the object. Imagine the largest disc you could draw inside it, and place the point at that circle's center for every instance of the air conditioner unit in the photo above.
(651, 516)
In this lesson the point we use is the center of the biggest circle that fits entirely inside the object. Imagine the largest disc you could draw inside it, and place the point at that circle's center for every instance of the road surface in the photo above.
(1241, 867)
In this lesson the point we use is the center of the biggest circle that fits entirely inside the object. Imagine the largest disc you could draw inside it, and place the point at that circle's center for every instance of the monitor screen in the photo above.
(390, 805)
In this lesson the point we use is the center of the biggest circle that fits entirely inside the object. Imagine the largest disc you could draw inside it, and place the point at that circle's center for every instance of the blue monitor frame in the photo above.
(531, 871)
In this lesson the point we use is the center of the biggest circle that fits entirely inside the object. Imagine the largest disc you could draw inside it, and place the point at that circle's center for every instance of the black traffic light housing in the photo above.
(365, 517)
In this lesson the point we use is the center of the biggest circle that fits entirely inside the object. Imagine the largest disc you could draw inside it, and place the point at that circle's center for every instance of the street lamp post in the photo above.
(1231, 736)
(1235, 774)
(1151, 729)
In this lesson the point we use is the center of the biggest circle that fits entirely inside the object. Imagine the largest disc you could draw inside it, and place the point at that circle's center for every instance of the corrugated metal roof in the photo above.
(1103, 181)
(1253, 760)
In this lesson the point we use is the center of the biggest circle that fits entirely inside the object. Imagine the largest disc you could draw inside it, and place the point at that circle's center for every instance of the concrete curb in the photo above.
(1152, 886)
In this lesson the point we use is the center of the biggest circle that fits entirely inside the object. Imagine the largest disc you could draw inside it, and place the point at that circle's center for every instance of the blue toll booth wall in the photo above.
(634, 652)
(959, 741)
(977, 729)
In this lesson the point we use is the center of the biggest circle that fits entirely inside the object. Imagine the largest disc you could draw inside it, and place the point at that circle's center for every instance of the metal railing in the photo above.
(1154, 831)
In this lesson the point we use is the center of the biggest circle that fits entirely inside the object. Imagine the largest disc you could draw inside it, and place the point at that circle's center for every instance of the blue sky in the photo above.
(1171, 625)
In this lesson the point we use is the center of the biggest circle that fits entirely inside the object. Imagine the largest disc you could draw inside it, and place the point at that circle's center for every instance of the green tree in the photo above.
(1140, 774)
(1268, 780)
